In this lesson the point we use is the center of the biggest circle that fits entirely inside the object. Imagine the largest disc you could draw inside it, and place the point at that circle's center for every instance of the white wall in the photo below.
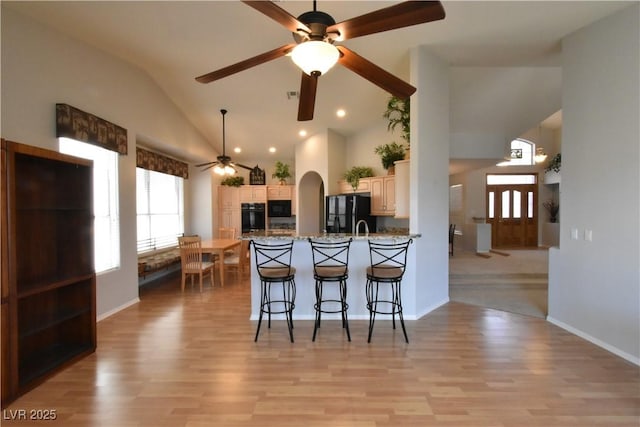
(490, 106)
(40, 68)
(202, 197)
(336, 149)
(594, 286)
(312, 170)
(429, 189)
(361, 146)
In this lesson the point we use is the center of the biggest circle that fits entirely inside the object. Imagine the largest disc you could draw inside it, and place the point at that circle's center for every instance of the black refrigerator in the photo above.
(344, 211)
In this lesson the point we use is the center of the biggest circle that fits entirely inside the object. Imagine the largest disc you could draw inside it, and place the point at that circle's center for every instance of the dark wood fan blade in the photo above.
(390, 18)
(246, 64)
(205, 164)
(375, 74)
(308, 87)
(243, 166)
(209, 167)
(278, 14)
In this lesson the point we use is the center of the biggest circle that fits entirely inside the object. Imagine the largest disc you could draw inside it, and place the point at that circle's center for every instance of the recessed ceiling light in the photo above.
(302, 132)
(341, 113)
(237, 150)
(272, 149)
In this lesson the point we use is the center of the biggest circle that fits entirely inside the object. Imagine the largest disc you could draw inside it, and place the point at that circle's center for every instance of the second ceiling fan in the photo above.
(223, 164)
(315, 33)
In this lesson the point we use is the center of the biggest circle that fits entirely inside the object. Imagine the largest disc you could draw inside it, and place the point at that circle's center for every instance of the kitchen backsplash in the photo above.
(288, 223)
(393, 230)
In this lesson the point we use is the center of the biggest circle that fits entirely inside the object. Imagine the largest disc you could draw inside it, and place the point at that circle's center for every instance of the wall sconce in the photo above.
(540, 155)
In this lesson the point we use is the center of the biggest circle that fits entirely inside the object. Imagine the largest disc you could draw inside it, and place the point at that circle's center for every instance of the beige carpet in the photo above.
(516, 283)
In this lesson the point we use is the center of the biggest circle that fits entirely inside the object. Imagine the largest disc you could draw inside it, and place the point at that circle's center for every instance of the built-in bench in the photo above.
(151, 262)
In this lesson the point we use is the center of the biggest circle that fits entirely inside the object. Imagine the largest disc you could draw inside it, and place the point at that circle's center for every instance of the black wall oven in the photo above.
(253, 217)
(279, 208)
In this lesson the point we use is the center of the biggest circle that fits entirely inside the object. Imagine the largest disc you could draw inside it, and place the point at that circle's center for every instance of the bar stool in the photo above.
(330, 264)
(388, 263)
(273, 263)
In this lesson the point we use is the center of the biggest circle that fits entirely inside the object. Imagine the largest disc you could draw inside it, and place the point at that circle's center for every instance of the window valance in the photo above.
(82, 126)
(159, 163)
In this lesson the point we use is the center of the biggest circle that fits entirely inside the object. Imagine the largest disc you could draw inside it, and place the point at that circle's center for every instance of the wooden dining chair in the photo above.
(191, 260)
(228, 233)
(240, 260)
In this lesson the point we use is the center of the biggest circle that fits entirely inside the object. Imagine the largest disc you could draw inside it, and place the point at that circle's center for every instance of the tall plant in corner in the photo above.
(398, 113)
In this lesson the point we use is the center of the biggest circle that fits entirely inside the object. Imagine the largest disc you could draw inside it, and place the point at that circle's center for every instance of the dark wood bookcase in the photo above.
(48, 287)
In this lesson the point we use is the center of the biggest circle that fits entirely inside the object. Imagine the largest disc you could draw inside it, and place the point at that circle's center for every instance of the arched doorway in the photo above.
(310, 217)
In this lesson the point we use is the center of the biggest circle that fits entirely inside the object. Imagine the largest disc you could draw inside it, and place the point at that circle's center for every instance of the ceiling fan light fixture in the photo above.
(540, 156)
(315, 56)
(223, 170)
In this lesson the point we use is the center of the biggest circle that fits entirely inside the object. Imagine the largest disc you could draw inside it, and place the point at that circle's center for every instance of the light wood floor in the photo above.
(189, 360)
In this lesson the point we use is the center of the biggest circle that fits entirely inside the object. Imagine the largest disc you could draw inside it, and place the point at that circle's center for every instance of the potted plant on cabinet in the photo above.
(282, 172)
(389, 153)
(233, 181)
(398, 113)
(353, 175)
(554, 163)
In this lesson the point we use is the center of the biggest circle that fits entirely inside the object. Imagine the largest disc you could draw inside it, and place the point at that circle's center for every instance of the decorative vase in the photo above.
(391, 170)
(283, 182)
(407, 154)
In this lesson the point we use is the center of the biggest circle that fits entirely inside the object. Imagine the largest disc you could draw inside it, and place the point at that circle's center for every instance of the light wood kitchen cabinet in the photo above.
(231, 218)
(280, 192)
(229, 197)
(229, 213)
(383, 195)
(253, 194)
(294, 209)
(364, 186)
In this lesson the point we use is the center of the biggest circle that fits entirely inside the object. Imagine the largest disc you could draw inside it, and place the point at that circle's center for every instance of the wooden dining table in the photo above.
(219, 246)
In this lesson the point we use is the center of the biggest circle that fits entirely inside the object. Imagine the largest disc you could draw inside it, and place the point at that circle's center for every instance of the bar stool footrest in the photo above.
(335, 301)
(398, 307)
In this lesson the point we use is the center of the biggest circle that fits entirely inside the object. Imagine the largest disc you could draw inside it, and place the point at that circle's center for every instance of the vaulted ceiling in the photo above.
(175, 41)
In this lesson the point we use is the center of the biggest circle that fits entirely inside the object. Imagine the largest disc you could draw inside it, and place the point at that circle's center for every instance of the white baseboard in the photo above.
(337, 316)
(117, 309)
(626, 356)
(433, 307)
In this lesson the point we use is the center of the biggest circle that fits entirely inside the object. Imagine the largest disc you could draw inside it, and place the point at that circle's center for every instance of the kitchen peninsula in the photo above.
(359, 260)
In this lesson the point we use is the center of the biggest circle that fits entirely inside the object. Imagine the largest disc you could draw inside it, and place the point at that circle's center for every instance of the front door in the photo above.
(512, 213)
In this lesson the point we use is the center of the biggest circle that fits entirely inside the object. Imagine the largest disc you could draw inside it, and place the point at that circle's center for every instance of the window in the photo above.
(498, 179)
(521, 153)
(160, 208)
(105, 201)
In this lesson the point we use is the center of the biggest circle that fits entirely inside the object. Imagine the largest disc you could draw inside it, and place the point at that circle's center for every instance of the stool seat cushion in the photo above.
(276, 273)
(332, 271)
(385, 272)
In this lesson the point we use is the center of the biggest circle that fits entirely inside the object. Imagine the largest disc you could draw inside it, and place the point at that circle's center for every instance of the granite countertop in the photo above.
(328, 236)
